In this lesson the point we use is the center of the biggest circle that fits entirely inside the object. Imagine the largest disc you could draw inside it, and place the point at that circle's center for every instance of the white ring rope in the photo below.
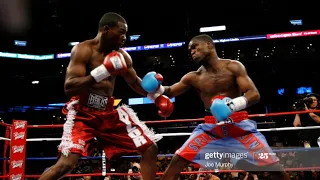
(184, 134)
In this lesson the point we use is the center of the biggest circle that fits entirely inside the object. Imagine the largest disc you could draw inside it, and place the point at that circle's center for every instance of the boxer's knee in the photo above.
(176, 165)
(179, 162)
(65, 164)
(151, 150)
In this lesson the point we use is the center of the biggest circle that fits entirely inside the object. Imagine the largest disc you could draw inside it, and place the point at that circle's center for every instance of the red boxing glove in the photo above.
(165, 106)
(113, 63)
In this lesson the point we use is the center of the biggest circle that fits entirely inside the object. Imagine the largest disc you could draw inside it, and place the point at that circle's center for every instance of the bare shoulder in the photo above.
(126, 56)
(190, 77)
(235, 66)
(81, 52)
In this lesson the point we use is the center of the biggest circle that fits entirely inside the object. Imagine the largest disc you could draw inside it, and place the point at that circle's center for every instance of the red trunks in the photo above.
(118, 131)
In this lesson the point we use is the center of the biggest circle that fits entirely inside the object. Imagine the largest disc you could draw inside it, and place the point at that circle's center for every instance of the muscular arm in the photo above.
(315, 117)
(297, 122)
(131, 77)
(245, 83)
(180, 87)
(76, 80)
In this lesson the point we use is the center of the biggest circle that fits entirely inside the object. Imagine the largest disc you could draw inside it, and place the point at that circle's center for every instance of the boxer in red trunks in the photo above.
(90, 78)
(225, 88)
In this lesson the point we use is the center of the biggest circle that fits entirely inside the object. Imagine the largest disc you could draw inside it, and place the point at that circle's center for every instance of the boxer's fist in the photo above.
(113, 63)
(165, 106)
(221, 108)
(151, 82)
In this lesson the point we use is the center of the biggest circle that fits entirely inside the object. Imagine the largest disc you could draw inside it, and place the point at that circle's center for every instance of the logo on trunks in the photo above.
(17, 164)
(19, 125)
(18, 135)
(134, 133)
(18, 149)
(96, 101)
(16, 177)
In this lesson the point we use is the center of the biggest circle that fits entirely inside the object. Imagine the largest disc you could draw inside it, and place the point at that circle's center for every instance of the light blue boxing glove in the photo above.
(151, 83)
(221, 109)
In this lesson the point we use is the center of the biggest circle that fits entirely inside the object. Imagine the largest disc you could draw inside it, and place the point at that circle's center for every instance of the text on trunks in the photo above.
(97, 101)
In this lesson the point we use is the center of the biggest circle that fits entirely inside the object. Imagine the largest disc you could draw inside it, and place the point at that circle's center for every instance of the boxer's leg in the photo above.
(176, 165)
(75, 142)
(64, 165)
(189, 152)
(255, 143)
(148, 162)
(132, 136)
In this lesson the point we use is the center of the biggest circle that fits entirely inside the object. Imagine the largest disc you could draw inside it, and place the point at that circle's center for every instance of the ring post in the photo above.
(104, 164)
(6, 145)
(18, 149)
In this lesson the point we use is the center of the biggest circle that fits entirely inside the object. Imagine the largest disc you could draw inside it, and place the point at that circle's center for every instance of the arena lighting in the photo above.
(73, 43)
(304, 90)
(171, 45)
(134, 37)
(63, 55)
(20, 43)
(213, 28)
(296, 22)
(294, 34)
(281, 91)
(224, 40)
(26, 56)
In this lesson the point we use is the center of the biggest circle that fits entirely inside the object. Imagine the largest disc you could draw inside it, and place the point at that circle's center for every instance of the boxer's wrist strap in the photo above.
(153, 96)
(240, 103)
(100, 73)
(160, 90)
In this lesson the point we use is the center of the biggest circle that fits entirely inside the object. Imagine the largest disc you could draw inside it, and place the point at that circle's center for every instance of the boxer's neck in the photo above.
(102, 45)
(212, 63)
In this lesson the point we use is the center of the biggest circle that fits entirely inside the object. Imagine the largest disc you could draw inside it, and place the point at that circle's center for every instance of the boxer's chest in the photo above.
(211, 83)
(96, 60)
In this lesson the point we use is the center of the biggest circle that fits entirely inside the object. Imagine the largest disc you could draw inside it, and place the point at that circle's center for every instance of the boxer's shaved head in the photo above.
(111, 19)
(203, 38)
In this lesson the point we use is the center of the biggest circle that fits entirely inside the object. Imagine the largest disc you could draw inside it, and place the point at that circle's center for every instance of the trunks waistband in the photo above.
(235, 117)
(95, 102)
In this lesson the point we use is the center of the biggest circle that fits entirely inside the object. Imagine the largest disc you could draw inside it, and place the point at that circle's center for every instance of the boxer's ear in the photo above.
(210, 45)
(106, 28)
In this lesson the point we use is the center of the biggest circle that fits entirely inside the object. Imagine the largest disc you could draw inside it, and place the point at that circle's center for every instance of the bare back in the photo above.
(209, 84)
(84, 58)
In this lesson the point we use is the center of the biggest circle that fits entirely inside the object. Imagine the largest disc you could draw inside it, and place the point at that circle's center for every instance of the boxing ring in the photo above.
(16, 139)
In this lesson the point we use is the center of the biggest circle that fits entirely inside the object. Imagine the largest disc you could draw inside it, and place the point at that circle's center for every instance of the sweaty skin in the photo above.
(84, 58)
(230, 79)
(214, 77)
